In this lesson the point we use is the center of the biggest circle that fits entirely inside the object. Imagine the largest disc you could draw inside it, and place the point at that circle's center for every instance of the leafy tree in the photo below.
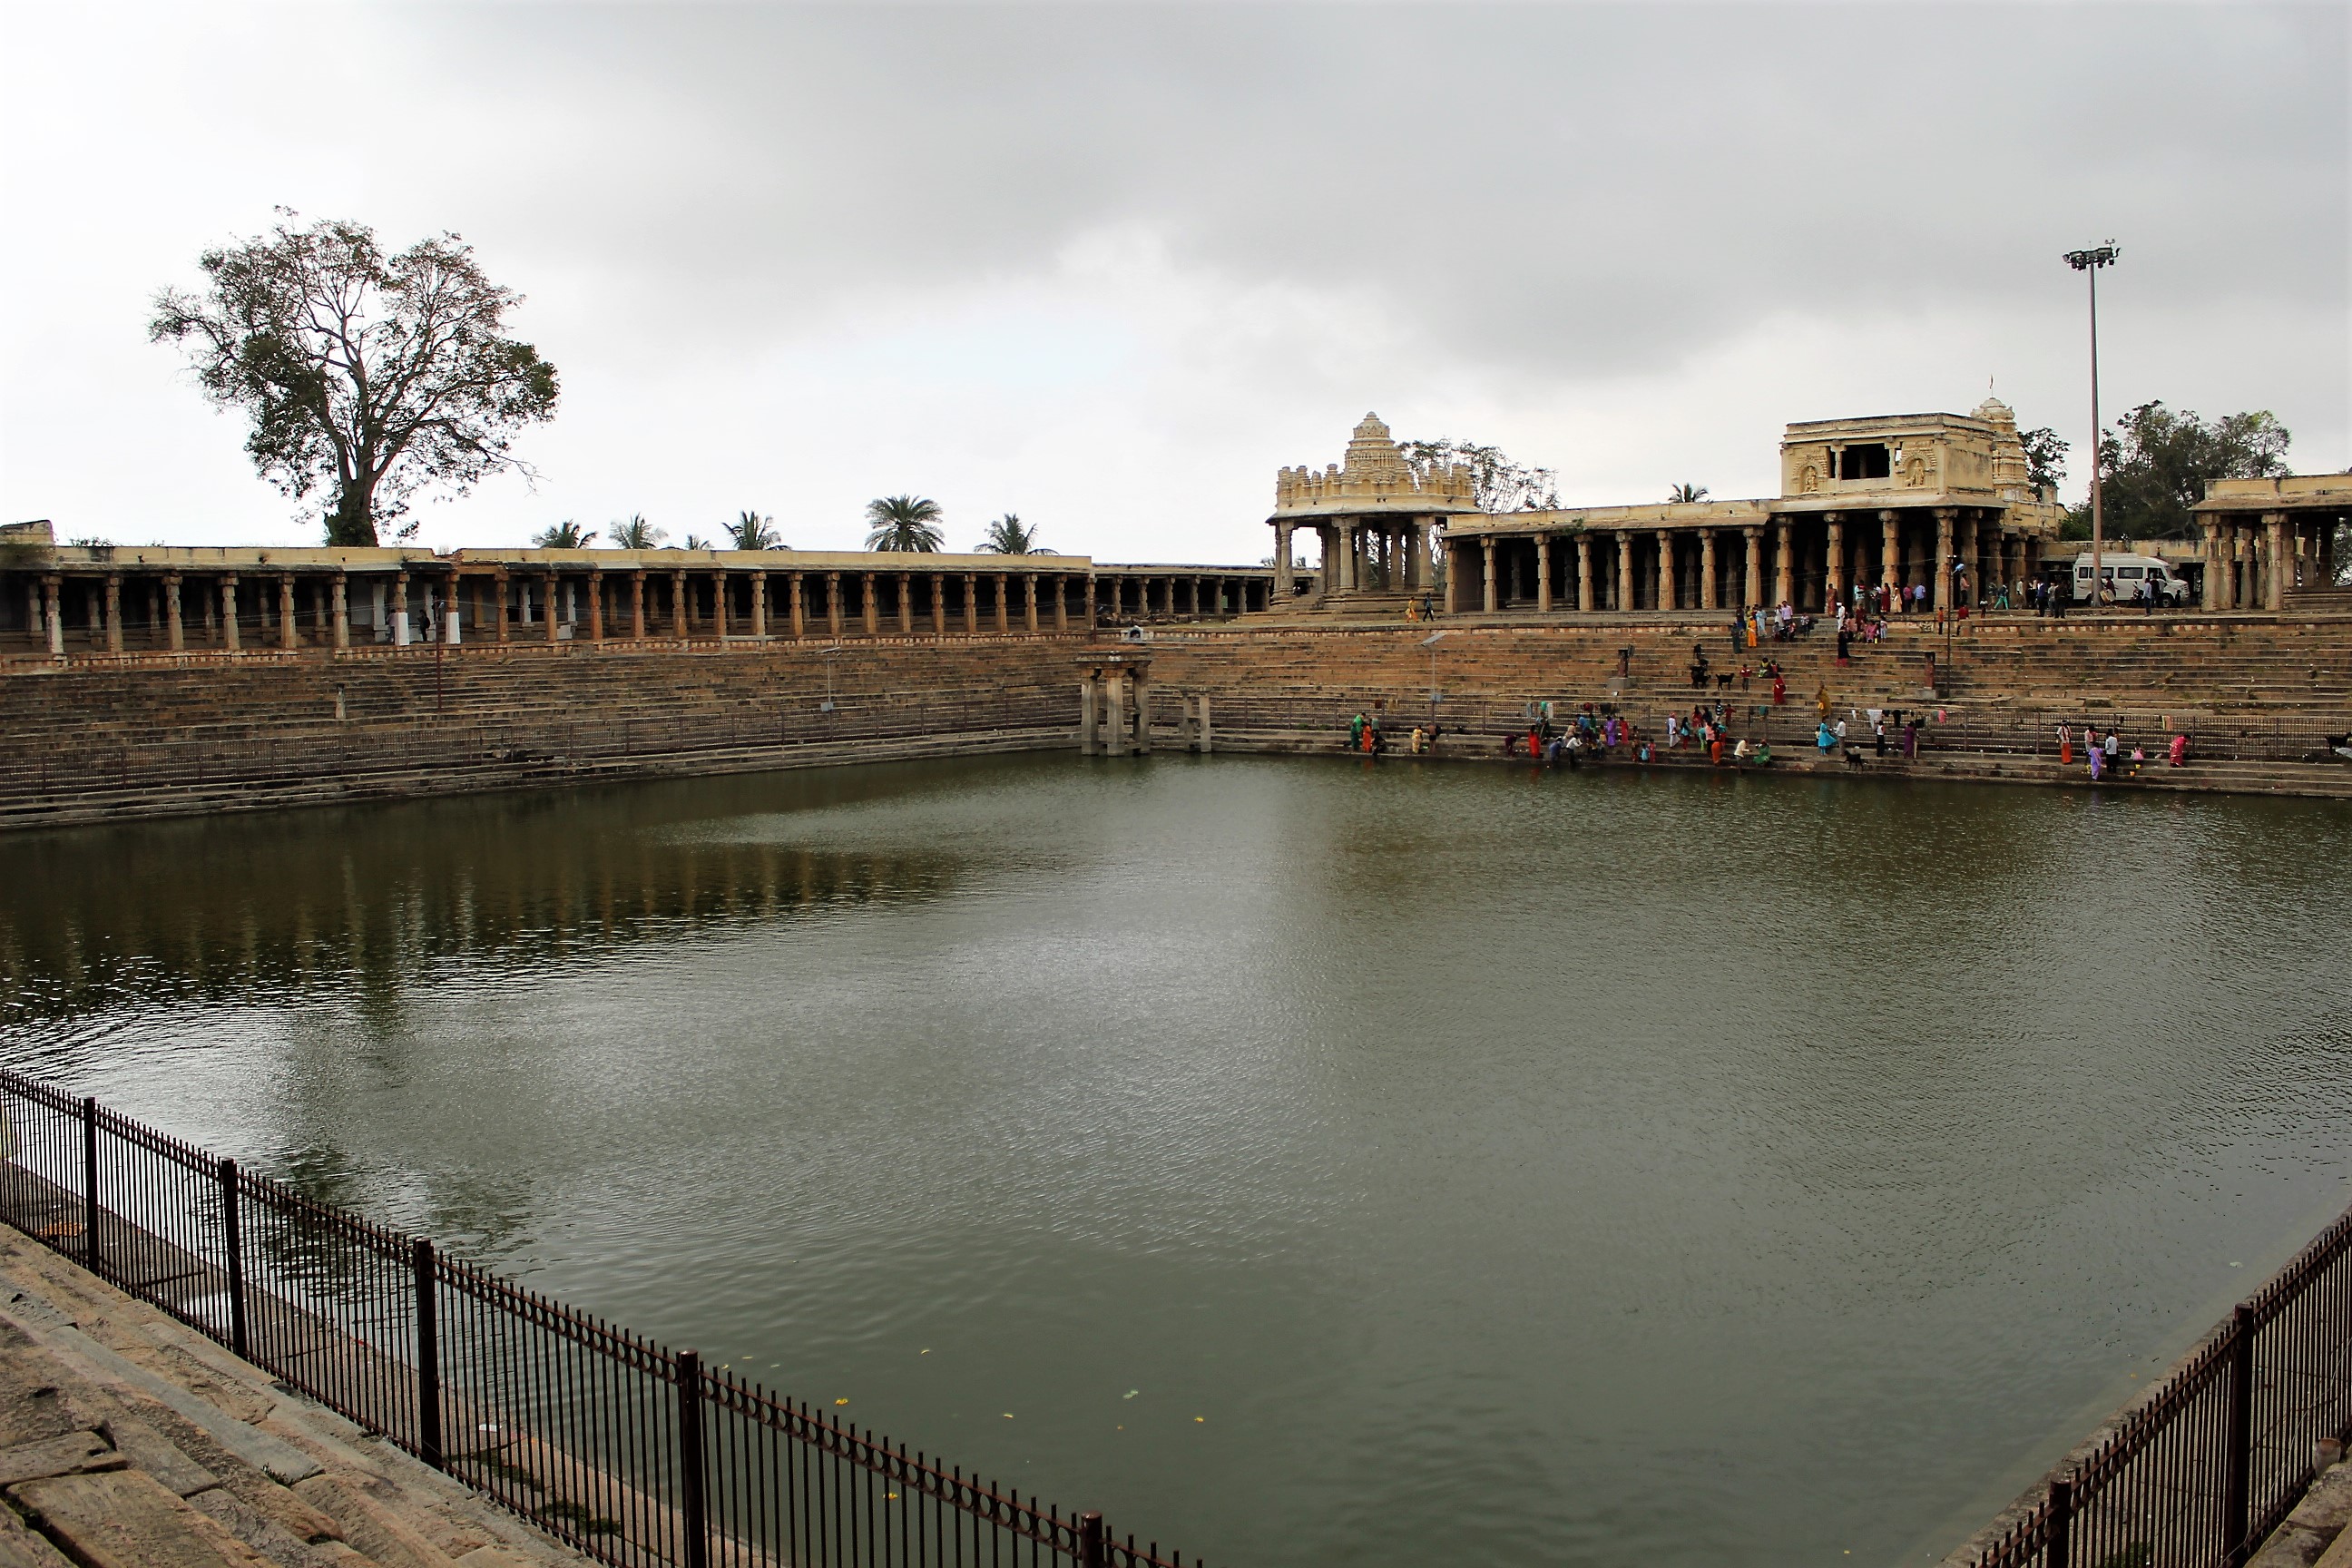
(1008, 535)
(1498, 484)
(369, 375)
(750, 531)
(1684, 494)
(2045, 458)
(904, 523)
(565, 535)
(2154, 463)
(637, 533)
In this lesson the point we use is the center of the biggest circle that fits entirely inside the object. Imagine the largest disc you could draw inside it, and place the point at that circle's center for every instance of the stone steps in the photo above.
(126, 1441)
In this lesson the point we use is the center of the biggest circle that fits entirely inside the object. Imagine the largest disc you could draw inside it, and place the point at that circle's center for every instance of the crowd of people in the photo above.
(2105, 756)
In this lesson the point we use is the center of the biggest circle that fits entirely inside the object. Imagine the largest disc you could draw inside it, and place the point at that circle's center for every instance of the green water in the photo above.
(1302, 1162)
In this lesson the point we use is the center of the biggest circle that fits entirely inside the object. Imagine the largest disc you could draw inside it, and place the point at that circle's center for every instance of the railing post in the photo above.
(2058, 1537)
(233, 1244)
(2236, 1492)
(695, 1511)
(428, 1352)
(89, 1186)
(1091, 1541)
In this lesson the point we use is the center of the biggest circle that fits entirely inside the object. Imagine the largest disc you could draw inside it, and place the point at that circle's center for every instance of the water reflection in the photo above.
(356, 903)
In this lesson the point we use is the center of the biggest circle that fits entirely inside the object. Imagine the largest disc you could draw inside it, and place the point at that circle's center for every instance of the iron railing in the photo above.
(632, 1453)
(2214, 1457)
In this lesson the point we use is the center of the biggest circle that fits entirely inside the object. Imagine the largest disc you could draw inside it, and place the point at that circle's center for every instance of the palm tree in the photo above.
(637, 533)
(565, 535)
(1682, 495)
(750, 531)
(1008, 535)
(695, 542)
(904, 523)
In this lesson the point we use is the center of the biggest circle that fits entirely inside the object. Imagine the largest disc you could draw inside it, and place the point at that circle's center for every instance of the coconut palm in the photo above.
(637, 533)
(696, 541)
(750, 531)
(904, 523)
(565, 535)
(1008, 535)
(1682, 495)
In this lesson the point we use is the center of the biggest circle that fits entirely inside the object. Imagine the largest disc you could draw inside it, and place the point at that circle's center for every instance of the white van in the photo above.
(2126, 575)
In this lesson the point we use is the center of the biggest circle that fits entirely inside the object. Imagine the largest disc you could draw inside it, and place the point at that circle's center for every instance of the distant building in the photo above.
(1869, 501)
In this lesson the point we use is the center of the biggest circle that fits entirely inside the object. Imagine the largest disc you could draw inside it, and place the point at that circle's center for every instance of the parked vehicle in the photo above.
(2126, 575)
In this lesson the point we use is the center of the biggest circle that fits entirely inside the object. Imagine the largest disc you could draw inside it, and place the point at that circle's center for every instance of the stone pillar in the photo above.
(796, 605)
(551, 608)
(1061, 602)
(1784, 566)
(1584, 572)
(1088, 745)
(1029, 603)
(722, 611)
(636, 607)
(228, 615)
(1115, 714)
(53, 620)
(833, 606)
(2211, 598)
(1003, 581)
(1142, 712)
(905, 604)
(1543, 574)
(868, 610)
(114, 610)
(678, 605)
(759, 607)
(1751, 575)
(1488, 600)
(288, 634)
(597, 604)
(1624, 571)
(971, 603)
(175, 633)
(1890, 550)
(1090, 601)
(1834, 586)
(1282, 578)
(402, 633)
(1670, 592)
(1707, 594)
(2274, 545)
(1943, 583)
(1971, 556)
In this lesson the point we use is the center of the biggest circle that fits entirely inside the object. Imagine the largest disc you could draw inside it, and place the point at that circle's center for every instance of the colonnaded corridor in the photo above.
(1306, 1162)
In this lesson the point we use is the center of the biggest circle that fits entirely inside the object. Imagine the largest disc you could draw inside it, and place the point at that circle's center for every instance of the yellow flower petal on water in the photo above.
(841, 1401)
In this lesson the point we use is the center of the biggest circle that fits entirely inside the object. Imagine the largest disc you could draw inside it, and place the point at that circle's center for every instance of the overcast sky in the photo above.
(1110, 265)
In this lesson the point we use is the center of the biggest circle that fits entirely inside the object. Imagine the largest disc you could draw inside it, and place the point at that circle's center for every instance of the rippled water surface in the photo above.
(1304, 1163)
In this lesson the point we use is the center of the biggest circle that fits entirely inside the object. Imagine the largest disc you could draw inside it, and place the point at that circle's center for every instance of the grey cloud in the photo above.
(1610, 187)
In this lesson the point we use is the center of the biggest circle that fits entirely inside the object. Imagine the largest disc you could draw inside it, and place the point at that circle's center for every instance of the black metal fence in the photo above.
(632, 1453)
(2209, 1462)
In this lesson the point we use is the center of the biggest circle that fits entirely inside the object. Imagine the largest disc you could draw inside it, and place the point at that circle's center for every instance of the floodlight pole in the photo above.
(2088, 263)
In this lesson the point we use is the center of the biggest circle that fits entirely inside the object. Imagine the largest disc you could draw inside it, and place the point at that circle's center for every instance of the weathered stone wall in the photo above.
(89, 740)
(94, 740)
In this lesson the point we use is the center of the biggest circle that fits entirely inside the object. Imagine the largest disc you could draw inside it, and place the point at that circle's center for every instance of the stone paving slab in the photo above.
(126, 1438)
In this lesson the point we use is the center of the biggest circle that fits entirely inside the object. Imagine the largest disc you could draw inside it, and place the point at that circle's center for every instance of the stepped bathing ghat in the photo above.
(139, 680)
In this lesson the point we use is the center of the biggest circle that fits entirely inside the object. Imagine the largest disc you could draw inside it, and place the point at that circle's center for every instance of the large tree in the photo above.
(2154, 463)
(367, 375)
(1498, 484)
(903, 523)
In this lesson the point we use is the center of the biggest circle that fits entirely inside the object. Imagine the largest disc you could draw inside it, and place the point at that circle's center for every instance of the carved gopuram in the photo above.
(60, 601)
(2270, 544)
(1890, 500)
(1375, 517)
